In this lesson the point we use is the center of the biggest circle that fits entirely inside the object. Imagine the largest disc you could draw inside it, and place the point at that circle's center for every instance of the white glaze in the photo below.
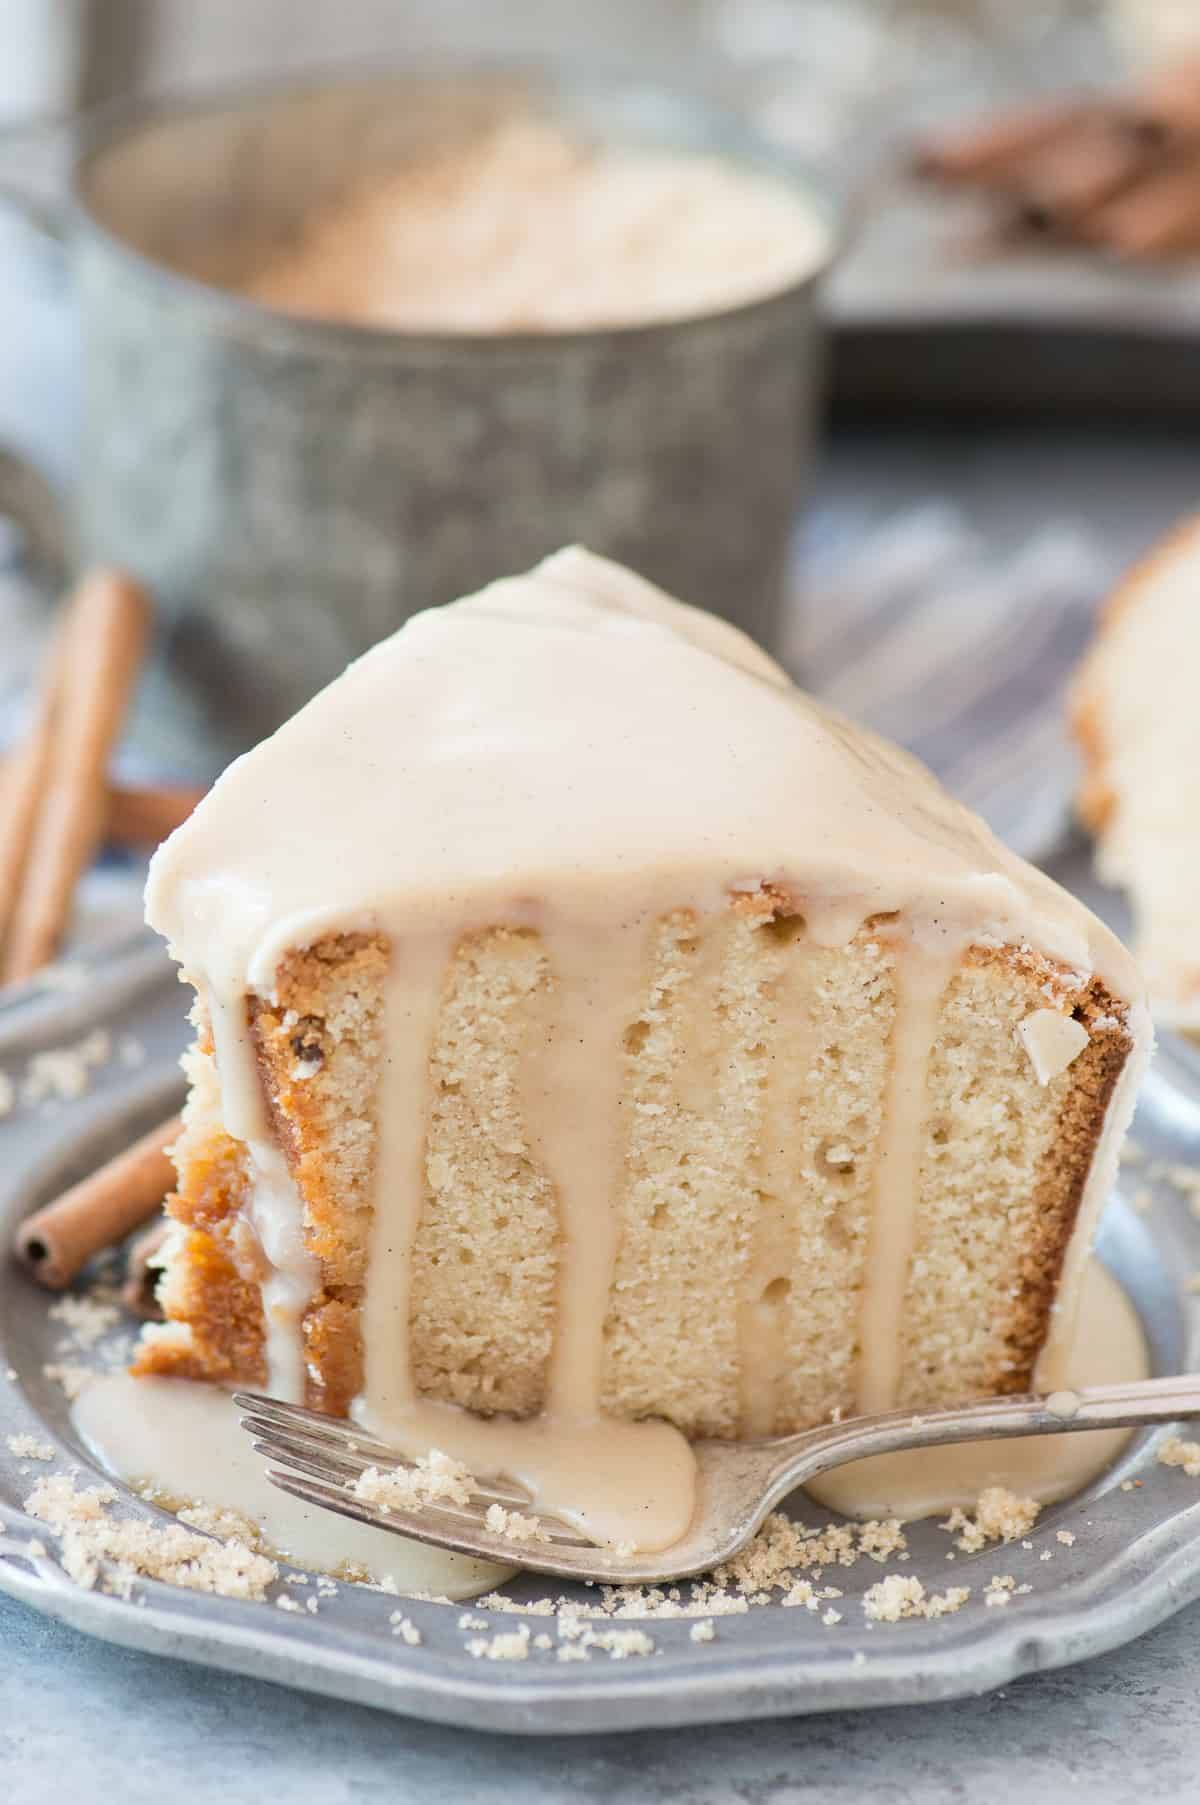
(183, 1440)
(1110, 1349)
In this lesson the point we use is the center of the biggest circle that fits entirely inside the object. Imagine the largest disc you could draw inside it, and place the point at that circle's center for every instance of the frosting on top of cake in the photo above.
(562, 732)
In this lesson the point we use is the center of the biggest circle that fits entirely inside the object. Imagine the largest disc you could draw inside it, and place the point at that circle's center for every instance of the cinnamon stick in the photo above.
(141, 815)
(1061, 185)
(144, 817)
(25, 778)
(142, 1273)
(58, 1241)
(105, 631)
(1159, 218)
(996, 147)
(1166, 110)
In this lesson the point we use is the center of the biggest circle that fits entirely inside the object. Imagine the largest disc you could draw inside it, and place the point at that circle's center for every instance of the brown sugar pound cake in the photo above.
(1136, 719)
(593, 1031)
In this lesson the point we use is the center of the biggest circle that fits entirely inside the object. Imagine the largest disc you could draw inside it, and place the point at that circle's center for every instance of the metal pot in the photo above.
(291, 490)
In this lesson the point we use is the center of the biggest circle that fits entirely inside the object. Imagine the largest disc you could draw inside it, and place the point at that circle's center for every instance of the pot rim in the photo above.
(239, 314)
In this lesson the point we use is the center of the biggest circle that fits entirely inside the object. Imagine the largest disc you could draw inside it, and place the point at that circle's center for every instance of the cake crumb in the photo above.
(227, 1526)
(1066, 1537)
(900, 1595)
(830, 1617)
(284, 1603)
(85, 1318)
(96, 1549)
(467, 1622)
(1175, 1452)
(619, 1645)
(543, 1641)
(879, 1540)
(433, 1479)
(64, 1073)
(70, 1375)
(28, 1447)
(703, 1631)
(513, 1526)
(406, 1629)
(1000, 1516)
(1000, 1588)
(508, 1645)
(536, 1607)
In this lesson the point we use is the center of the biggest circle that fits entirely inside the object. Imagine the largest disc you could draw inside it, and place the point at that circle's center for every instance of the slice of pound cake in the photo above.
(1137, 721)
(591, 1028)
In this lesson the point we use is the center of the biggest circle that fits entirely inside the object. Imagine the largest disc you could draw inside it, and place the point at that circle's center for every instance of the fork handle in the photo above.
(1141, 1402)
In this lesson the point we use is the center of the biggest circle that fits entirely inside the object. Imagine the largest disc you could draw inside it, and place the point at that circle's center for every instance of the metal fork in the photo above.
(318, 1459)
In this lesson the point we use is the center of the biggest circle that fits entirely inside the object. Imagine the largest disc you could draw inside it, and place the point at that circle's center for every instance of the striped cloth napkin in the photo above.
(910, 624)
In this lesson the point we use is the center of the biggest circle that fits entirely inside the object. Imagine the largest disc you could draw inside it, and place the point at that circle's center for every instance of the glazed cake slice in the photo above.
(1136, 719)
(593, 1029)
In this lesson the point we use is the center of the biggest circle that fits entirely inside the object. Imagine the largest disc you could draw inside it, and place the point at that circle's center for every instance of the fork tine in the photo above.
(321, 1466)
(443, 1526)
(329, 1430)
(278, 1444)
(291, 1426)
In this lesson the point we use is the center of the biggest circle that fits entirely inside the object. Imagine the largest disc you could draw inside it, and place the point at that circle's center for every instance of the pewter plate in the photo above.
(1135, 1560)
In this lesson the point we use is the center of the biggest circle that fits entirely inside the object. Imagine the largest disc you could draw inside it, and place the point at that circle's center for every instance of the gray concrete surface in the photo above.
(83, 1722)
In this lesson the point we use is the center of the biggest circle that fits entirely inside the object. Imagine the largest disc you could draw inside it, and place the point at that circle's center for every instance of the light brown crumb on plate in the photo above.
(1000, 1516)
(900, 1595)
(28, 1447)
(508, 1645)
(1175, 1452)
(85, 1318)
(98, 1549)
